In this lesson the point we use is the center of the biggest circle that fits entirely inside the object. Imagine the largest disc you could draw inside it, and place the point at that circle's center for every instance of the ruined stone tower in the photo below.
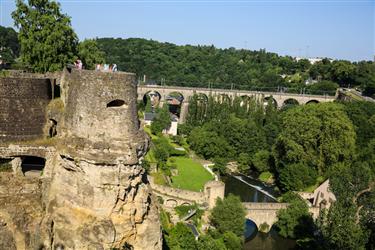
(84, 188)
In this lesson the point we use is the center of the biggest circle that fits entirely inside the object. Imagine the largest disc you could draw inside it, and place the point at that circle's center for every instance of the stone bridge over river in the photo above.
(261, 213)
(279, 99)
(258, 212)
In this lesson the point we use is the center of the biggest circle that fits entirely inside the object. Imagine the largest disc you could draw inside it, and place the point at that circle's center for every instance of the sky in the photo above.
(307, 28)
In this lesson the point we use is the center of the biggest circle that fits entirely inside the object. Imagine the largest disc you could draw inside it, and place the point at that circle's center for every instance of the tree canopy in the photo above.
(47, 39)
(228, 215)
(9, 46)
(90, 54)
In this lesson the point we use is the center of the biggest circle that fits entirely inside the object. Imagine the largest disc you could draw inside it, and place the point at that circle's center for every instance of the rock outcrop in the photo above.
(84, 188)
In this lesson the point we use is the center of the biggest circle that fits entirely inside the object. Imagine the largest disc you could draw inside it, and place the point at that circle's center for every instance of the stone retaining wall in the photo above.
(23, 104)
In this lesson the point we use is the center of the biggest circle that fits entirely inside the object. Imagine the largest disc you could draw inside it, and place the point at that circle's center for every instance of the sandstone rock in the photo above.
(92, 192)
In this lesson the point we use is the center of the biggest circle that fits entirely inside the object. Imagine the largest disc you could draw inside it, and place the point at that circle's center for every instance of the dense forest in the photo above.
(299, 146)
(203, 66)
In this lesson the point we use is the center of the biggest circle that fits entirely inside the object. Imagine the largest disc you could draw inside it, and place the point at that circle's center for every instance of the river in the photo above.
(251, 190)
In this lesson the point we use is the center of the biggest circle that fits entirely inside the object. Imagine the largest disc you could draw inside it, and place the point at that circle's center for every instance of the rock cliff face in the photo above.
(92, 192)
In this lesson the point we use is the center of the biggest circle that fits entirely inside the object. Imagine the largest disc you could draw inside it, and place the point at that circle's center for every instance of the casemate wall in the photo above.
(23, 103)
(93, 193)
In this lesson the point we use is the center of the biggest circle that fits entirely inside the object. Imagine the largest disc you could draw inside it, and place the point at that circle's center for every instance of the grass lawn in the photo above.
(191, 175)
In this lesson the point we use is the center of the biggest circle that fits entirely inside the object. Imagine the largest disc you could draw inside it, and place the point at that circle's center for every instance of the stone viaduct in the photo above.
(279, 98)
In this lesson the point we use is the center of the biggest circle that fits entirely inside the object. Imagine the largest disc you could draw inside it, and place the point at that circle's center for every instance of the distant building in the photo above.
(148, 118)
(312, 60)
(310, 81)
(322, 197)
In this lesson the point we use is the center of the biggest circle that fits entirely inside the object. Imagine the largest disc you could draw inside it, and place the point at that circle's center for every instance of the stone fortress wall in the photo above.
(87, 190)
(173, 197)
(23, 103)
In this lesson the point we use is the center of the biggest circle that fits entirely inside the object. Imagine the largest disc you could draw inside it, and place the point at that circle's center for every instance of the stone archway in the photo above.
(171, 203)
(152, 98)
(174, 101)
(267, 99)
(312, 102)
(290, 103)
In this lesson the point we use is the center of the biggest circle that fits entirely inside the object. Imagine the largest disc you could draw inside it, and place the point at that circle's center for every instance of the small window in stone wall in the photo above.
(116, 103)
(54, 90)
(57, 91)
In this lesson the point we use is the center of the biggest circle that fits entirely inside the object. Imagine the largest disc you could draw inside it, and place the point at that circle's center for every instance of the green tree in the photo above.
(161, 121)
(180, 237)
(323, 87)
(47, 39)
(209, 144)
(207, 242)
(90, 54)
(340, 231)
(232, 241)
(317, 136)
(295, 221)
(220, 165)
(228, 215)
(9, 46)
(261, 161)
(148, 108)
(296, 177)
(244, 161)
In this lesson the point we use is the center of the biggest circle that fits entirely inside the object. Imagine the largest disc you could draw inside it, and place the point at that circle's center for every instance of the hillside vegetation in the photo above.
(201, 66)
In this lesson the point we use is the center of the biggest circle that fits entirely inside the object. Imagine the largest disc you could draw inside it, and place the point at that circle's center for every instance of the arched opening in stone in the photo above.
(116, 103)
(151, 101)
(312, 102)
(251, 229)
(52, 132)
(268, 99)
(171, 203)
(290, 103)
(174, 101)
(33, 166)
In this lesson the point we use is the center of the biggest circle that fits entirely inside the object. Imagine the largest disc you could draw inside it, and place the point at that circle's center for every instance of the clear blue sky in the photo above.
(317, 28)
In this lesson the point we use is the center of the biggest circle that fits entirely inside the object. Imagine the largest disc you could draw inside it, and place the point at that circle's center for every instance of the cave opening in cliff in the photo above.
(33, 166)
(116, 103)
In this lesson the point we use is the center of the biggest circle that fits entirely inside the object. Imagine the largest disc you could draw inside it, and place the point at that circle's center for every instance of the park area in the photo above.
(191, 174)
